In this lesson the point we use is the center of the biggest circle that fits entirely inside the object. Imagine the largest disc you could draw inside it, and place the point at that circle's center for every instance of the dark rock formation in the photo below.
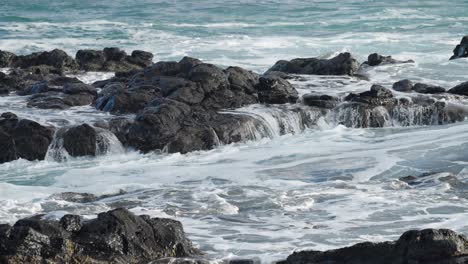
(22, 138)
(461, 89)
(343, 64)
(59, 93)
(116, 98)
(80, 141)
(461, 50)
(178, 104)
(378, 107)
(113, 59)
(429, 246)
(375, 59)
(403, 86)
(117, 236)
(275, 90)
(321, 101)
(428, 89)
(56, 58)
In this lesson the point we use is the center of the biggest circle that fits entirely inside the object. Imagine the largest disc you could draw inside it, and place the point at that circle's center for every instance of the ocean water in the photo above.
(323, 187)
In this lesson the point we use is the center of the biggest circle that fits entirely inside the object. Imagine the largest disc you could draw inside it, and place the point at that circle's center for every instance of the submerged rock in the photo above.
(342, 64)
(375, 59)
(23, 138)
(429, 246)
(461, 50)
(117, 236)
(428, 89)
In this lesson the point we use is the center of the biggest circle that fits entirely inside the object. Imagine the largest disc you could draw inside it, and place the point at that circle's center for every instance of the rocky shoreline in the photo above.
(185, 106)
(188, 106)
(119, 236)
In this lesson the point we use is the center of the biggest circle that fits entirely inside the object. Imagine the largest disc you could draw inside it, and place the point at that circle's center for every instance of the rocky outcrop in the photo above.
(342, 64)
(275, 90)
(22, 138)
(375, 59)
(429, 246)
(378, 108)
(56, 58)
(178, 104)
(408, 86)
(58, 61)
(49, 95)
(461, 50)
(428, 89)
(117, 236)
(80, 141)
(403, 86)
(113, 59)
(321, 101)
(461, 89)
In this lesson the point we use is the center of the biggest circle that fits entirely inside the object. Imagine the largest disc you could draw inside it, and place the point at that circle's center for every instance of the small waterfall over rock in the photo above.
(274, 121)
(105, 143)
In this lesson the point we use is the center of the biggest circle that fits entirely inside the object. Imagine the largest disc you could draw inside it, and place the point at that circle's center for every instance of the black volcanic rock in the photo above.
(375, 59)
(461, 89)
(342, 64)
(22, 138)
(56, 58)
(461, 50)
(113, 59)
(321, 101)
(428, 89)
(117, 236)
(403, 86)
(80, 141)
(429, 246)
(275, 90)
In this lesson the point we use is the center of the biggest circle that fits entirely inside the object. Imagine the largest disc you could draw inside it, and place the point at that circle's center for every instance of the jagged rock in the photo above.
(342, 64)
(403, 86)
(80, 141)
(461, 50)
(6, 59)
(322, 101)
(378, 95)
(116, 98)
(117, 236)
(56, 58)
(428, 89)
(113, 59)
(22, 138)
(429, 246)
(275, 90)
(461, 89)
(375, 59)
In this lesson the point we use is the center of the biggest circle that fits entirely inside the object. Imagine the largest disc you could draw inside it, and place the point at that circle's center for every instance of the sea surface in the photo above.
(325, 187)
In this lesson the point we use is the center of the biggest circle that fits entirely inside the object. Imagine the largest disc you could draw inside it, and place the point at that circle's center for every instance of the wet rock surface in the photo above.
(23, 138)
(461, 89)
(342, 64)
(461, 50)
(117, 236)
(434, 246)
(376, 59)
(113, 59)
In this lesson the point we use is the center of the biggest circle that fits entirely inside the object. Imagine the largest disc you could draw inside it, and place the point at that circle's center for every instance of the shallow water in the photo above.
(325, 187)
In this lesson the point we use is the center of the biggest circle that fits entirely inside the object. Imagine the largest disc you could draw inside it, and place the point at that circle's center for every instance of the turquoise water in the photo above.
(249, 33)
(326, 187)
